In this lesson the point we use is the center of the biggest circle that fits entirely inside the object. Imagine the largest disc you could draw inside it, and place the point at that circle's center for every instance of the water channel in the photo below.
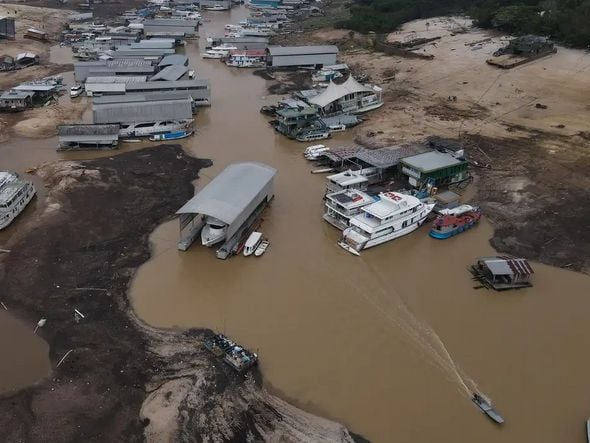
(388, 343)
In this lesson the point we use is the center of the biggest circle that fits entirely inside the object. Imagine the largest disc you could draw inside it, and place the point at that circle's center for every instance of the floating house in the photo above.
(84, 137)
(349, 97)
(502, 272)
(291, 120)
(170, 27)
(282, 57)
(226, 208)
(435, 168)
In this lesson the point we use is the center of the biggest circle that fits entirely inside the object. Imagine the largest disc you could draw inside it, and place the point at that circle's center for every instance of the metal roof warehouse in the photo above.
(149, 107)
(292, 56)
(233, 195)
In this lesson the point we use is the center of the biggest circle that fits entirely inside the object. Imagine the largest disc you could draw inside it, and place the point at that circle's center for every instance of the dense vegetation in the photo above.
(567, 21)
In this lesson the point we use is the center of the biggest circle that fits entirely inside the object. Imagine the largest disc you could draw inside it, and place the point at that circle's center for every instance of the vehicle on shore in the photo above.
(76, 91)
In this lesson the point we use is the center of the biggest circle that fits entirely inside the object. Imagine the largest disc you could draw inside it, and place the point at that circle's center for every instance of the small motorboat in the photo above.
(176, 135)
(487, 408)
(252, 243)
(262, 247)
(588, 430)
(130, 140)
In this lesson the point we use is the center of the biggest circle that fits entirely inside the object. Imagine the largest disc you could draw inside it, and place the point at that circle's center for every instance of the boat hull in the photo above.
(7, 218)
(451, 233)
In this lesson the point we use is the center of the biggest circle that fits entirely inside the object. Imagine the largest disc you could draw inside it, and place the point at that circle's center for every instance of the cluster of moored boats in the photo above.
(15, 195)
(238, 357)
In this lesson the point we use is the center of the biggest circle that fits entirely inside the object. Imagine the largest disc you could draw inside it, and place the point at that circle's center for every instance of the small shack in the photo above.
(25, 59)
(281, 57)
(502, 272)
(435, 168)
(86, 137)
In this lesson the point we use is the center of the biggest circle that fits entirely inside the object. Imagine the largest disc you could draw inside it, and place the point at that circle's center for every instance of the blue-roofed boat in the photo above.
(176, 135)
(454, 221)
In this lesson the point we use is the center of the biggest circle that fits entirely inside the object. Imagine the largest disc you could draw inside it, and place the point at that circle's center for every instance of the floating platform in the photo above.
(508, 61)
(236, 356)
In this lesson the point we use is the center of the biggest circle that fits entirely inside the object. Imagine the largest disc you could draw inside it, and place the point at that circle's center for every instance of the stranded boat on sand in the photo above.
(451, 222)
(15, 195)
(487, 408)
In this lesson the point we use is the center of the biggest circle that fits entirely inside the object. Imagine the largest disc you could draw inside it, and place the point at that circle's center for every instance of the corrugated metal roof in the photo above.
(105, 87)
(230, 193)
(177, 23)
(174, 59)
(16, 95)
(390, 155)
(170, 73)
(141, 97)
(169, 85)
(89, 138)
(161, 43)
(302, 50)
(124, 51)
(431, 161)
(63, 130)
(151, 111)
(116, 79)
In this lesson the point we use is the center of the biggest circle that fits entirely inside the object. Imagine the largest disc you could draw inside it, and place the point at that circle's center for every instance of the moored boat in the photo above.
(392, 216)
(262, 247)
(213, 232)
(588, 430)
(214, 54)
(176, 135)
(319, 134)
(486, 406)
(453, 221)
(252, 243)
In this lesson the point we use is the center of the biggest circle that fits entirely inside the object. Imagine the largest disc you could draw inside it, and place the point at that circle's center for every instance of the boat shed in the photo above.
(293, 56)
(173, 60)
(146, 107)
(199, 90)
(154, 43)
(110, 68)
(163, 26)
(7, 28)
(233, 197)
(434, 167)
(87, 136)
(147, 53)
(244, 42)
(170, 73)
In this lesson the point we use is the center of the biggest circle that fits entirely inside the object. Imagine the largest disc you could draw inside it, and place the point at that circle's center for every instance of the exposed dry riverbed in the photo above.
(388, 344)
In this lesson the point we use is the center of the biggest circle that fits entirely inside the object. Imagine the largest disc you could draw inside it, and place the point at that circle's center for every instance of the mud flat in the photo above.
(122, 379)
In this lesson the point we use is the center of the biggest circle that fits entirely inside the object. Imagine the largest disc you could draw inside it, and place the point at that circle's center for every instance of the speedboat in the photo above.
(486, 406)
(176, 135)
(262, 247)
(76, 91)
(252, 243)
(213, 53)
(213, 232)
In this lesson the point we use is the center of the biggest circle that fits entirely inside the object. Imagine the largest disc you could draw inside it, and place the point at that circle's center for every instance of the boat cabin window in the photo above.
(216, 226)
(144, 125)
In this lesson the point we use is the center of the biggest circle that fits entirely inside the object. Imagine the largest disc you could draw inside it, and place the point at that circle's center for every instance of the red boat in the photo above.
(451, 222)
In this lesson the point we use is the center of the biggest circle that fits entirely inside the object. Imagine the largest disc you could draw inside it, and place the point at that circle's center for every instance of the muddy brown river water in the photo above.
(389, 343)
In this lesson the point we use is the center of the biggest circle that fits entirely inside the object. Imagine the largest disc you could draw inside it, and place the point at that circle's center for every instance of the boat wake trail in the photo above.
(387, 301)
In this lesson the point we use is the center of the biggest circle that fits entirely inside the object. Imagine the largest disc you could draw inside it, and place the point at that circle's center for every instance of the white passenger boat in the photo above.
(15, 195)
(213, 232)
(215, 54)
(393, 216)
(262, 247)
(315, 151)
(252, 243)
(151, 128)
(216, 7)
(224, 47)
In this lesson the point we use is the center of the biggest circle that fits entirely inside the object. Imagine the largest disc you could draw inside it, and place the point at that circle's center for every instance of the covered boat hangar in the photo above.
(236, 197)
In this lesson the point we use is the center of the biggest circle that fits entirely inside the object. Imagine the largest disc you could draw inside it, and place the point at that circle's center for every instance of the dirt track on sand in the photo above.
(123, 381)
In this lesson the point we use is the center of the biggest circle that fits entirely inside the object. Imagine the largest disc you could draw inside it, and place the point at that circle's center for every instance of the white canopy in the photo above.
(334, 92)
